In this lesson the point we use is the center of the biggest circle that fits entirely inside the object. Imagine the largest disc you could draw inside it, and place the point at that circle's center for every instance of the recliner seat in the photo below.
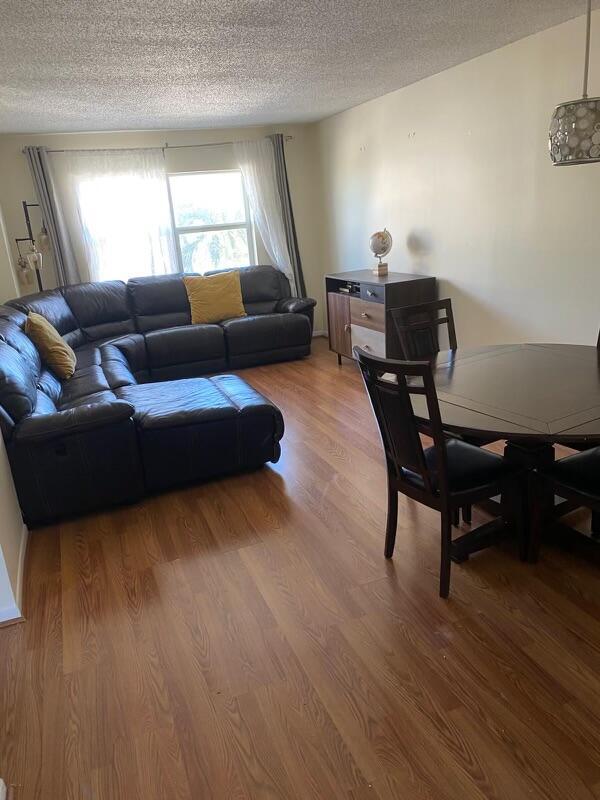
(136, 416)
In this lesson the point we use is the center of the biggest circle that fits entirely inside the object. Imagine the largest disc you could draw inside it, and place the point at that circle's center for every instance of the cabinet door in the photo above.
(338, 313)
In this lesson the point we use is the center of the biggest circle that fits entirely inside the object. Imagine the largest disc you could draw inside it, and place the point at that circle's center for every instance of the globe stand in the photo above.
(381, 244)
(381, 270)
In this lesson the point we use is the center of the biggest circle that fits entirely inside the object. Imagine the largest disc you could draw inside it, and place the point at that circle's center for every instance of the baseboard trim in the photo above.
(21, 567)
(319, 333)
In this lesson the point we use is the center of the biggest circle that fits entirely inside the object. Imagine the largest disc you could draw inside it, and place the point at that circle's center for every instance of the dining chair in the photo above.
(418, 329)
(575, 478)
(446, 476)
(583, 446)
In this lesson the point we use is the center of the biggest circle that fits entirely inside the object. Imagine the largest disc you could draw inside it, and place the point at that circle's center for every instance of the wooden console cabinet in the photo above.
(358, 305)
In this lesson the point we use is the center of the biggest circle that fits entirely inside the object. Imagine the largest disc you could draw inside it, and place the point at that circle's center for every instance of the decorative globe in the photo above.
(574, 136)
(381, 243)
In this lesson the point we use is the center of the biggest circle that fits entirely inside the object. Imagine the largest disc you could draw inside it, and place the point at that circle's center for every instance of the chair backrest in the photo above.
(391, 385)
(418, 328)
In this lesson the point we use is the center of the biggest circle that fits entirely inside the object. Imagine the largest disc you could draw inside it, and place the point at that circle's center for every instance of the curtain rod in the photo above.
(164, 147)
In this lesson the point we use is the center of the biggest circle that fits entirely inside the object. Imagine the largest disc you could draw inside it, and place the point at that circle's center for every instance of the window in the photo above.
(212, 220)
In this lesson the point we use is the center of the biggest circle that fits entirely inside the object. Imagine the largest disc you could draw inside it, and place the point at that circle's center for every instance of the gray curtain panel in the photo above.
(287, 211)
(67, 271)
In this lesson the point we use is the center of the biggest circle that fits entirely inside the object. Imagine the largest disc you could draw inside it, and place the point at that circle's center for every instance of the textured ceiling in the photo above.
(83, 65)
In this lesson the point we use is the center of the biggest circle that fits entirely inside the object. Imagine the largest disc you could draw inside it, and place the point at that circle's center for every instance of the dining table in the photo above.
(530, 396)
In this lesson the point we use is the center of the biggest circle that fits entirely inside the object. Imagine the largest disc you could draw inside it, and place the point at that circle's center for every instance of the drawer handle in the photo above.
(365, 315)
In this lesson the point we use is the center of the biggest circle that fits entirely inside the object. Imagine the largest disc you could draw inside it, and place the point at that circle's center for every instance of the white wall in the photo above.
(8, 281)
(13, 534)
(16, 184)
(456, 167)
(13, 541)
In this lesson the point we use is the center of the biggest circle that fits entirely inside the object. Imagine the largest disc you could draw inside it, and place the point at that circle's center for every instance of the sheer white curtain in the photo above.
(116, 203)
(256, 160)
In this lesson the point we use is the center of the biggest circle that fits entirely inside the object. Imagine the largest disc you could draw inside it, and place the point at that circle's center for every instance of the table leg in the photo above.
(537, 500)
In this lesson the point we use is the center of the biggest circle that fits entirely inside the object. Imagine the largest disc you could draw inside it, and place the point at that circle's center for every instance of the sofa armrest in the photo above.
(296, 305)
(125, 361)
(47, 427)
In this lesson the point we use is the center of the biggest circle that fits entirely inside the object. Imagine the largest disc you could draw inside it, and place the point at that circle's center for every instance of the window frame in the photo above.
(223, 226)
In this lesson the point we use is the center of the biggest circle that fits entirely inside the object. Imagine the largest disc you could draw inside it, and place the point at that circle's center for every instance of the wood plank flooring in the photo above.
(246, 639)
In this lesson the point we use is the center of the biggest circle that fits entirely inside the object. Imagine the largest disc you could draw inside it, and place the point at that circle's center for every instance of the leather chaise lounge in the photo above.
(137, 416)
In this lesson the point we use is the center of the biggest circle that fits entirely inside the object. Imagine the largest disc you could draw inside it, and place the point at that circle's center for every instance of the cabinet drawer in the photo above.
(371, 341)
(372, 292)
(367, 315)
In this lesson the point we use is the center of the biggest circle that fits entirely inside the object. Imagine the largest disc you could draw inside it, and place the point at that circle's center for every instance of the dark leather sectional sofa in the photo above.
(136, 416)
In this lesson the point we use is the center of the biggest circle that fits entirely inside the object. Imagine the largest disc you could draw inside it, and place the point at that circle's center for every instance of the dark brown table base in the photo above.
(485, 536)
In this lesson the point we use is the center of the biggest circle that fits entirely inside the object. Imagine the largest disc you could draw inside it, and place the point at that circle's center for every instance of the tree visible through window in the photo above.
(212, 220)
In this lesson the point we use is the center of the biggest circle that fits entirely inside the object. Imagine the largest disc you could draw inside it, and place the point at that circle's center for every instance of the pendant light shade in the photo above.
(574, 136)
(575, 132)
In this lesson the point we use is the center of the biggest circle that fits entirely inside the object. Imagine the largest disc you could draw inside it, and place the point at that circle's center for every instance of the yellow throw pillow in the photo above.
(55, 352)
(214, 297)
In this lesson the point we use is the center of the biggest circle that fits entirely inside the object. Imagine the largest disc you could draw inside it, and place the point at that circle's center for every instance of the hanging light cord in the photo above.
(586, 67)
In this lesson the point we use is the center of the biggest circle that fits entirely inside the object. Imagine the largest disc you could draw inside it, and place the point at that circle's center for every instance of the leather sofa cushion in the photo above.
(159, 301)
(125, 360)
(18, 384)
(13, 315)
(190, 401)
(244, 360)
(43, 405)
(53, 306)
(116, 367)
(174, 403)
(84, 382)
(49, 384)
(264, 307)
(187, 344)
(91, 354)
(107, 396)
(100, 308)
(468, 467)
(18, 339)
(87, 356)
(262, 287)
(266, 332)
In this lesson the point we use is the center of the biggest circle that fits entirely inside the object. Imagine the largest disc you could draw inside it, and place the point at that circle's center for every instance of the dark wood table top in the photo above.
(546, 392)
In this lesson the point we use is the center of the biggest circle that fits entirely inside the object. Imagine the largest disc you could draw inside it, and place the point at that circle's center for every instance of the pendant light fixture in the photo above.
(575, 126)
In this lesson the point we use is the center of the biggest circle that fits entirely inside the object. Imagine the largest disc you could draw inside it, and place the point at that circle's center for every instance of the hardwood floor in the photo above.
(246, 639)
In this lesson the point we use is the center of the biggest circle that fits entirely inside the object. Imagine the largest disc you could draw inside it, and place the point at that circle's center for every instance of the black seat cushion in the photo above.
(185, 345)
(468, 467)
(580, 472)
(265, 332)
(87, 381)
(88, 355)
(173, 403)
